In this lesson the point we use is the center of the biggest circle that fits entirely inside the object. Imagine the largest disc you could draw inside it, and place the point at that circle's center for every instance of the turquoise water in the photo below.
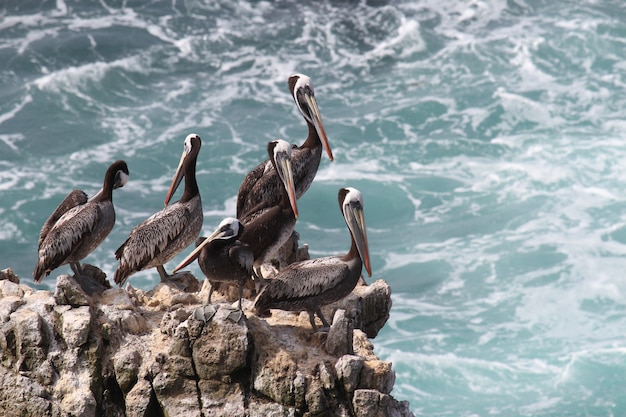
(487, 137)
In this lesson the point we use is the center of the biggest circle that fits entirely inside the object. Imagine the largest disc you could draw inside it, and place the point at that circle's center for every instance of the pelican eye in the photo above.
(303, 105)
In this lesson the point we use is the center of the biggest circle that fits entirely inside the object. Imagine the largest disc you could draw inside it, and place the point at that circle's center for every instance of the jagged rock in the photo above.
(22, 396)
(8, 274)
(173, 382)
(180, 342)
(274, 377)
(265, 409)
(68, 291)
(169, 373)
(41, 301)
(371, 403)
(366, 403)
(77, 401)
(167, 297)
(117, 311)
(140, 400)
(10, 288)
(327, 376)
(378, 375)
(222, 398)
(129, 352)
(362, 345)
(340, 335)
(299, 390)
(222, 347)
(375, 374)
(368, 306)
(31, 339)
(8, 305)
(182, 402)
(94, 281)
(126, 365)
(116, 298)
(316, 401)
(185, 280)
(172, 319)
(76, 322)
(348, 369)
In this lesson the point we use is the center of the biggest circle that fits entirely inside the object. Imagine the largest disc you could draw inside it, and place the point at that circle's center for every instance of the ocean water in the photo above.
(488, 138)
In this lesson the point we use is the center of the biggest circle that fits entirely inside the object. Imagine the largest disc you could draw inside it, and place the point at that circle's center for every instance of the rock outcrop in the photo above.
(129, 352)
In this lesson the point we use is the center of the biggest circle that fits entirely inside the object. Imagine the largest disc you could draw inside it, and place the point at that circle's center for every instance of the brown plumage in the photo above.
(261, 186)
(164, 234)
(311, 284)
(223, 258)
(268, 228)
(77, 226)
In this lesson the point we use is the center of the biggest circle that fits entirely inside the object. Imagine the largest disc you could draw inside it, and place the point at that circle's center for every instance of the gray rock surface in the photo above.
(128, 352)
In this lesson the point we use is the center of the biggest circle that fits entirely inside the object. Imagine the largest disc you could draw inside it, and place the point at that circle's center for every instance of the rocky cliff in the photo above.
(127, 352)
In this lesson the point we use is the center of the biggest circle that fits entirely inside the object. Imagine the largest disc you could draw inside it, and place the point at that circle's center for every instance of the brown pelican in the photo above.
(311, 284)
(268, 228)
(223, 258)
(164, 234)
(260, 188)
(78, 225)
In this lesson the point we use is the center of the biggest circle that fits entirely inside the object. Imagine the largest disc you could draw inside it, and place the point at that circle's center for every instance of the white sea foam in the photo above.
(408, 41)
(69, 78)
(370, 170)
(10, 114)
(12, 140)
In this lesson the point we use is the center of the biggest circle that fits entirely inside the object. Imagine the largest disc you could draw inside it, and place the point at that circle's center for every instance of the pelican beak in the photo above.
(356, 223)
(178, 177)
(285, 172)
(316, 117)
(218, 234)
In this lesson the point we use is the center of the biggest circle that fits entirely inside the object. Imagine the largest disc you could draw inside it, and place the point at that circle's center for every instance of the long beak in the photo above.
(356, 223)
(178, 177)
(196, 252)
(285, 172)
(317, 122)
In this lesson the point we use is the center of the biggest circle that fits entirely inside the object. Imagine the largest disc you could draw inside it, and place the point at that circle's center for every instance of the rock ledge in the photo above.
(128, 352)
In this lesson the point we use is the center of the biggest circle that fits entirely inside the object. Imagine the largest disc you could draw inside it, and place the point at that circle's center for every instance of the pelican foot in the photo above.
(235, 314)
(204, 313)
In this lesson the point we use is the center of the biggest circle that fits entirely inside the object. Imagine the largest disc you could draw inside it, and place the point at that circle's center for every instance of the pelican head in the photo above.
(228, 228)
(191, 148)
(116, 176)
(351, 204)
(121, 174)
(302, 91)
(280, 152)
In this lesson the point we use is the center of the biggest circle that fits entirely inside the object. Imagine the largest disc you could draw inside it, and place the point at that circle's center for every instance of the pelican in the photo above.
(261, 186)
(268, 228)
(309, 285)
(223, 258)
(164, 234)
(78, 225)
